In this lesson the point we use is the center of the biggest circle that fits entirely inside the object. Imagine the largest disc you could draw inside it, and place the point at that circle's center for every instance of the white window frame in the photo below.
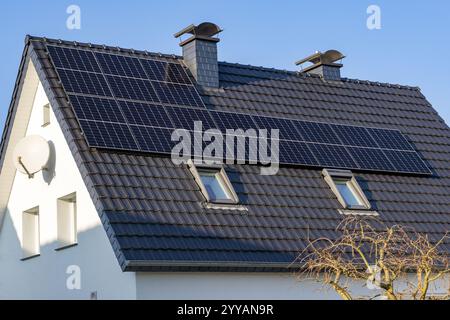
(46, 114)
(223, 180)
(333, 175)
(30, 216)
(67, 221)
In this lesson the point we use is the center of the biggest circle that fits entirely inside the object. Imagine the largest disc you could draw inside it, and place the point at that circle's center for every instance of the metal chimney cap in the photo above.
(329, 57)
(204, 30)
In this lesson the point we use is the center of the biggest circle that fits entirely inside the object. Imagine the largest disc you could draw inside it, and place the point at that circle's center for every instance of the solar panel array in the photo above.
(134, 104)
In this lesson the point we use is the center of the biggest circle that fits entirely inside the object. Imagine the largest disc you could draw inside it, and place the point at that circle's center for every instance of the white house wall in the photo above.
(45, 276)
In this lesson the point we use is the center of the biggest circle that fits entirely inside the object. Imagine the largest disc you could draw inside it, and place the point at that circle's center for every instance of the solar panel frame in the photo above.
(145, 114)
(132, 89)
(390, 139)
(407, 161)
(184, 118)
(93, 108)
(332, 156)
(316, 132)
(354, 136)
(120, 65)
(108, 134)
(83, 82)
(370, 159)
(116, 97)
(74, 59)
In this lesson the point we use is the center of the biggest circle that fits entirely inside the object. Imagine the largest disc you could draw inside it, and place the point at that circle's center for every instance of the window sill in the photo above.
(358, 212)
(30, 257)
(66, 246)
(224, 206)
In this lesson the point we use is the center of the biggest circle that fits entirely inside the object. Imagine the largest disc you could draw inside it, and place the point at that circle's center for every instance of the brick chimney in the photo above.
(200, 52)
(324, 64)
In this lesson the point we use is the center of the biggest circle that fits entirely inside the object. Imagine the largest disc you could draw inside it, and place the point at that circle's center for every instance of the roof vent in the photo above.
(200, 52)
(324, 64)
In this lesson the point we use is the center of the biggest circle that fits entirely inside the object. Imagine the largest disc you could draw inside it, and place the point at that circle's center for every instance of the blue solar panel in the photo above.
(165, 71)
(133, 89)
(178, 94)
(390, 139)
(145, 114)
(371, 159)
(84, 82)
(73, 59)
(151, 139)
(316, 132)
(286, 127)
(354, 136)
(294, 152)
(96, 108)
(108, 135)
(233, 121)
(332, 156)
(184, 118)
(407, 161)
(120, 65)
(134, 103)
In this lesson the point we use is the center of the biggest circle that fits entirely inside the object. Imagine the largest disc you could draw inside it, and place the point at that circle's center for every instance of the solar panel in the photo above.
(135, 103)
(96, 108)
(390, 139)
(84, 82)
(108, 135)
(294, 152)
(73, 59)
(354, 136)
(228, 120)
(145, 114)
(151, 139)
(178, 94)
(368, 158)
(165, 71)
(332, 156)
(316, 132)
(133, 89)
(184, 118)
(407, 161)
(120, 65)
(286, 127)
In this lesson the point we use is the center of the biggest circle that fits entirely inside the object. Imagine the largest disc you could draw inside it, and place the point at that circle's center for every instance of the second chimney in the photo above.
(200, 52)
(324, 64)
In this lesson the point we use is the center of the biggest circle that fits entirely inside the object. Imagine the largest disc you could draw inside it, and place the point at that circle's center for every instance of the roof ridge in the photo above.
(233, 64)
(293, 72)
(101, 46)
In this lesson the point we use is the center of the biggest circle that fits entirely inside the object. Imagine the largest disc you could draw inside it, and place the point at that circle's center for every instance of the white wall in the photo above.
(45, 276)
(245, 286)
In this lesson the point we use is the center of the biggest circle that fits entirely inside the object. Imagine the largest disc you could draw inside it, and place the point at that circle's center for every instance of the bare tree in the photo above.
(367, 250)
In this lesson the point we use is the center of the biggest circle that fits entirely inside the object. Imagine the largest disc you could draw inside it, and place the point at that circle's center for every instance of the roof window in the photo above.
(346, 189)
(214, 183)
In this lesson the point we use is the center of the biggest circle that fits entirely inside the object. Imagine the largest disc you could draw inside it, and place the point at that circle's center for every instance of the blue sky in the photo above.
(412, 47)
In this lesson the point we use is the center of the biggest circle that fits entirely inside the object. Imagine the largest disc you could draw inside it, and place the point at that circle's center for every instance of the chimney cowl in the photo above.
(324, 64)
(200, 52)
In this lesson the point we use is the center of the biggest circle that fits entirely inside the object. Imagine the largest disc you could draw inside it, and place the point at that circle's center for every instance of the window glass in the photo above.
(347, 193)
(213, 185)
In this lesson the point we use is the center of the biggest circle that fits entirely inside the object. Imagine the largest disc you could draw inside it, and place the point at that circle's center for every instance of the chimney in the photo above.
(200, 52)
(324, 64)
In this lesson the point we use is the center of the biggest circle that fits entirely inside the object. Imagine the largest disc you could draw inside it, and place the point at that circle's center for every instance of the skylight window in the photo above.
(214, 184)
(346, 189)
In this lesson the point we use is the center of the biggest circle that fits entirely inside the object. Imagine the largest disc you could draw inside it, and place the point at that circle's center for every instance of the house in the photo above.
(111, 216)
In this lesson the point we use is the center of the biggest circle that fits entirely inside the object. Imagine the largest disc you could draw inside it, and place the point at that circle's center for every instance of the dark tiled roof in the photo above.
(152, 210)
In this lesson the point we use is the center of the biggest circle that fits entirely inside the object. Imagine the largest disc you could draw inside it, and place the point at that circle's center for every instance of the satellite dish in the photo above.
(31, 155)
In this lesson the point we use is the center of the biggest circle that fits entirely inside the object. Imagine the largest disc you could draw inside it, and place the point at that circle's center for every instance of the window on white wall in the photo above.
(30, 233)
(46, 115)
(67, 220)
